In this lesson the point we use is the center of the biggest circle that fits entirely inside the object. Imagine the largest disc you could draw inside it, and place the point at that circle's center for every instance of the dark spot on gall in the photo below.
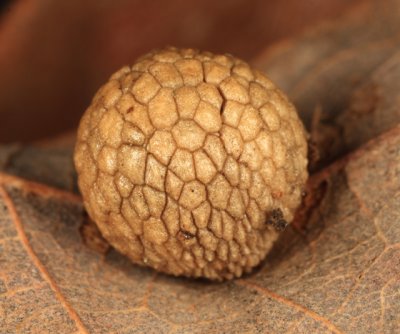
(276, 220)
(281, 225)
(186, 235)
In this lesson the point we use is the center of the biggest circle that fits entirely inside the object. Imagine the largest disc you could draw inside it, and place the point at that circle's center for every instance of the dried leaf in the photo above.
(338, 68)
(343, 276)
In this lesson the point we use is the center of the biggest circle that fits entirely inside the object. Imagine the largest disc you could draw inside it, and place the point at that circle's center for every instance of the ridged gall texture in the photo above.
(191, 163)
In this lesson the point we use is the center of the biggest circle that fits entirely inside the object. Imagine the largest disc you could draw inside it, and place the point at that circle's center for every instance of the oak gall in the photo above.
(191, 163)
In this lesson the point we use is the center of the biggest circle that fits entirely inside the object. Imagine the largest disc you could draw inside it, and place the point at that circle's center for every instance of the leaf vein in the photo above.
(38, 264)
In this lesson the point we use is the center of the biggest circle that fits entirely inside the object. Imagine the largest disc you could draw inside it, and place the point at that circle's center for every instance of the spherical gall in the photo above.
(191, 163)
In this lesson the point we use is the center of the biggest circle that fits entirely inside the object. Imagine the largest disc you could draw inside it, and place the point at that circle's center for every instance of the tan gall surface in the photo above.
(191, 163)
